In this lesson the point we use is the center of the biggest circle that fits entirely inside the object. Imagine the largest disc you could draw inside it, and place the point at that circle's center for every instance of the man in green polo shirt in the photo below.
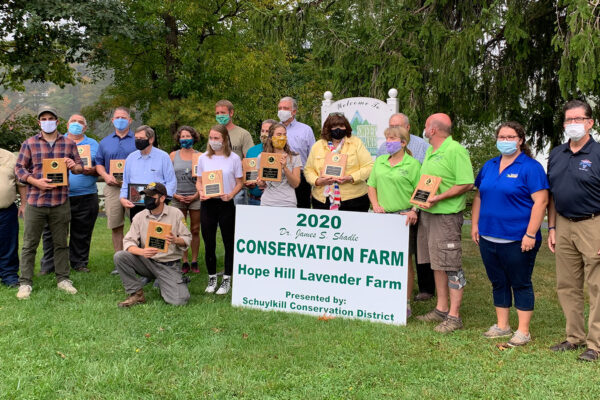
(440, 223)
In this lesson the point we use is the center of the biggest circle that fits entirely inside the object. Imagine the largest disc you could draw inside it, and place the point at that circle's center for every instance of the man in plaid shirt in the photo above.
(46, 203)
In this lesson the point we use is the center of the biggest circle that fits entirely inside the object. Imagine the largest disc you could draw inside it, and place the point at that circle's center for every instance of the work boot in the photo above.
(133, 299)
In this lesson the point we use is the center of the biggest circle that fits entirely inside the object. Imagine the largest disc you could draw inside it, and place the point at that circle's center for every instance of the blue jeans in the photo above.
(509, 269)
(9, 243)
(253, 202)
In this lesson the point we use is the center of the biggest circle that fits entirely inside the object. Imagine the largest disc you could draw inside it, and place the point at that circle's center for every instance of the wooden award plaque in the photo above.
(85, 153)
(55, 169)
(134, 193)
(195, 158)
(250, 169)
(156, 236)
(270, 167)
(335, 165)
(212, 183)
(116, 169)
(427, 186)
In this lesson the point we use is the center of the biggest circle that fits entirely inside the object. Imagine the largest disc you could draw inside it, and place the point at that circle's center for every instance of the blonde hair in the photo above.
(400, 133)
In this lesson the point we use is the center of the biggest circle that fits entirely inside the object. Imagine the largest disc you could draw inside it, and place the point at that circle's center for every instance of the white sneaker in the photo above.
(225, 286)
(212, 284)
(24, 292)
(67, 286)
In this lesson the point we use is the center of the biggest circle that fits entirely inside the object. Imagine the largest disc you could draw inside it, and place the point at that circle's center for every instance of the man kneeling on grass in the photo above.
(149, 262)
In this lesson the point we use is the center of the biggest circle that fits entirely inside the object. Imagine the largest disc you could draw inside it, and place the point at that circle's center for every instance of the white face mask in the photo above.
(425, 138)
(215, 145)
(284, 115)
(48, 126)
(575, 131)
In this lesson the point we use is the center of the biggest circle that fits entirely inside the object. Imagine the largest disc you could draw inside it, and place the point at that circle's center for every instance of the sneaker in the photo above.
(423, 296)
(450, 324)
(195, 268)
(434, 315)
(24, 292)
(67, 286)
(225, 286)
(185, 268)
(114, 272)
(566, 346)
(212, 284)
(81, 269)
(496, 332)
(519, 339)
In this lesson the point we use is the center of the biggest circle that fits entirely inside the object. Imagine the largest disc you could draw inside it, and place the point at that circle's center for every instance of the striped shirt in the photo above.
(29, 163)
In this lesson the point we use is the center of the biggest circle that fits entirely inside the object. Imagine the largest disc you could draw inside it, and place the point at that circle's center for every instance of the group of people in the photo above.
(513, 194)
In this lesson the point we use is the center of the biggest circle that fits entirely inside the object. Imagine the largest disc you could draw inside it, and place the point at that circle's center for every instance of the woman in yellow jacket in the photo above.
(346, 193)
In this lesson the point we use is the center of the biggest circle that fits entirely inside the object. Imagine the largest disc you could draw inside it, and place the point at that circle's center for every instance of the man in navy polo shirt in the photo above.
(574, 228)
(116, 146)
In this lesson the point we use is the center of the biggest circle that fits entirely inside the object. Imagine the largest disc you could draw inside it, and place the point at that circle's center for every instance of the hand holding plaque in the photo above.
(85, 153)
(157, 236)
(335, 165)
(427, 187)
(270, 167)
(212, 183)
(250, 169)
(55, 169)
(117, 167)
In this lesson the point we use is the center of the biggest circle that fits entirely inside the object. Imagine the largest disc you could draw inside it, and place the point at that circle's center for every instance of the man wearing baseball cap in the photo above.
(149, 262)
(46, 203)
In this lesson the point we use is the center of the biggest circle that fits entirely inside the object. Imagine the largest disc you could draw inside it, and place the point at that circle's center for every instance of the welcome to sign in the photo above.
(340, 264)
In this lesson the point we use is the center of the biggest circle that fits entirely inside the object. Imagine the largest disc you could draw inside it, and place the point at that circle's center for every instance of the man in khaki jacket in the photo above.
(148, 262)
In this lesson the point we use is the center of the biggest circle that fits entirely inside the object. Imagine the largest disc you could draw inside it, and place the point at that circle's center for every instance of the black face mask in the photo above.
(338, 133)
(150, 203)
(141, 144)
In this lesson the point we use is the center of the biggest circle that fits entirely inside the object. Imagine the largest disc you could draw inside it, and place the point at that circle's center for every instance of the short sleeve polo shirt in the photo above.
(452, 163)
(395, 184)
(506, 197)
(575, 179)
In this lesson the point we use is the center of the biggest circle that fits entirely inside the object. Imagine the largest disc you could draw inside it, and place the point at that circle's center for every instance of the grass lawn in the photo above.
(58, 346)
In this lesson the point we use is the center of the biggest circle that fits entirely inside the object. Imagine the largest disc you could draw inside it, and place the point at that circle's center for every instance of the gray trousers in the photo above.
(58, 219)
(170, 280)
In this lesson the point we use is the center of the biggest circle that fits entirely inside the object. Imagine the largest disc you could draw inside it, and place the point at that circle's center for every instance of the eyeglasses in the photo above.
(337, 114)
(577, 120)
(506, 138)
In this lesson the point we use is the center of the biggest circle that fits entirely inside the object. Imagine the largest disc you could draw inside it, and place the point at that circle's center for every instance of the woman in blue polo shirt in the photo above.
(508, 210)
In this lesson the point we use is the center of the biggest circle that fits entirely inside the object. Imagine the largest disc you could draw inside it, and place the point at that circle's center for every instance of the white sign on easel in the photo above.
(368, 117)
(323, 263)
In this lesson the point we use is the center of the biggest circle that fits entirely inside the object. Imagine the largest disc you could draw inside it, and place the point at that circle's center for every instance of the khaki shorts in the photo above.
(194, 205)
(115, 212)
(439, 241)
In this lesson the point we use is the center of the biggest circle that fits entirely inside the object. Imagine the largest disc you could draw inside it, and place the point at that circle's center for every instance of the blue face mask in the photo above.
(506, 148)
(186, 143)
(75, 128)
(393, 147)
(121, 124)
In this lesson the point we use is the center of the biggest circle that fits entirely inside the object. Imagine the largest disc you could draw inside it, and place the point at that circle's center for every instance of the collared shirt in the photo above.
(358, 165)
(114, 147)
(29, 163)
(254, 152)
(575, 179)
(80, 184)
(506, 201)
(153, 167)
(417, 146)
(395, 184)
(170, 215)
(241, 141)
(301, 139)
(8, 179)
(452, 163)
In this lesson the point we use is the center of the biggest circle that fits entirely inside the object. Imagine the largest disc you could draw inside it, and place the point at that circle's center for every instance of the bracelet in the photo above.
(551, 227)
(529, 236)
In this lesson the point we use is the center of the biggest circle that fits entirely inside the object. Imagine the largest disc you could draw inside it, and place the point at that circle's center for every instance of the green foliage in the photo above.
(15, 130)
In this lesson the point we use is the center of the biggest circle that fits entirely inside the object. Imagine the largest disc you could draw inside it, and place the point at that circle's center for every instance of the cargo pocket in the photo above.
(450, 254)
